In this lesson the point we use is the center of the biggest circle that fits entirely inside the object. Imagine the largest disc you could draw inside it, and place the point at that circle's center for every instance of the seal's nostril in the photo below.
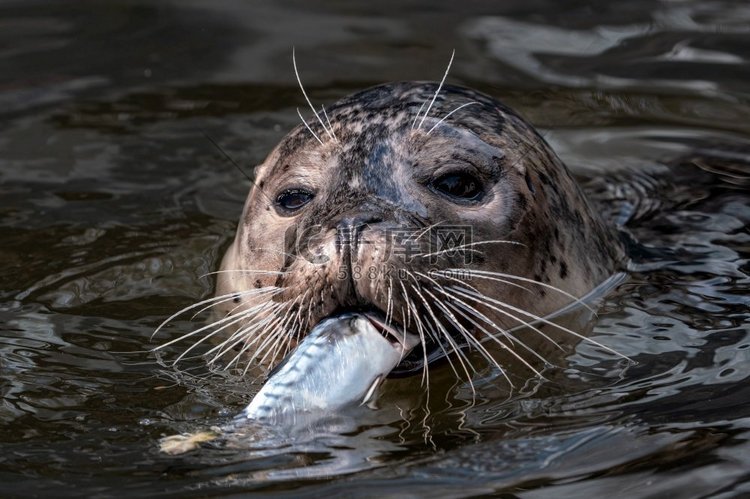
(360, 219)
(349, 227)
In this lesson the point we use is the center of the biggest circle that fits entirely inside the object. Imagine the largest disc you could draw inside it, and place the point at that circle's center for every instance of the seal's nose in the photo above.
(350, 227)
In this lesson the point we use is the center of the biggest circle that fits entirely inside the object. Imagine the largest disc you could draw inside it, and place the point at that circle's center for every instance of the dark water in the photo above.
(114, 204)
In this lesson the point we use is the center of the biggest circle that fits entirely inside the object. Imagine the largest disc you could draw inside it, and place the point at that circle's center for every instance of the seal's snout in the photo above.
(350, 242)
(350, 228)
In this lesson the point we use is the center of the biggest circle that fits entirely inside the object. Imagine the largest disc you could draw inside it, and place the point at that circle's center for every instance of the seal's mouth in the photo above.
(395, 335)
(424, 354)
(424, 350)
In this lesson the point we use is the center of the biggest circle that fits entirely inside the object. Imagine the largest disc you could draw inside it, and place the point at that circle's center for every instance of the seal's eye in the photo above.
(293, 199)
(462, 186)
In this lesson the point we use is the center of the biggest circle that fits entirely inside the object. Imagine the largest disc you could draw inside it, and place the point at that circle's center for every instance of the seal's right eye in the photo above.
(459, 186)
(292, 200)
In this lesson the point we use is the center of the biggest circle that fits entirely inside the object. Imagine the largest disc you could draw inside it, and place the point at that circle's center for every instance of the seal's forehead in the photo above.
(388, 94)
(413, 103)
(364, 121)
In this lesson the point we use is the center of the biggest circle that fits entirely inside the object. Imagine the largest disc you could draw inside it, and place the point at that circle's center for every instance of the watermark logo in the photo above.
(453, 241)
(404, 243)
(423, 245)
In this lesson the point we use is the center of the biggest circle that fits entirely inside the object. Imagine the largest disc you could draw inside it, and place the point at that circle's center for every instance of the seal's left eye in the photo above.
(293, 199)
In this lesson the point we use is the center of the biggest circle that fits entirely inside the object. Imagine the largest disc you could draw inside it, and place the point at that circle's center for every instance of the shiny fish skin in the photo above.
(339, 363)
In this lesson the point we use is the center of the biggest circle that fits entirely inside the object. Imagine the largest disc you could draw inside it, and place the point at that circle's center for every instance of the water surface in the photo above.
(115, 206)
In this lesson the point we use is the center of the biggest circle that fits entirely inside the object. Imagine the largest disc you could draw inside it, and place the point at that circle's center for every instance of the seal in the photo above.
(434, 205)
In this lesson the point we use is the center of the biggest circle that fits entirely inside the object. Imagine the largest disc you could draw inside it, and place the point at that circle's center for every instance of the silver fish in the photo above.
(340, 362)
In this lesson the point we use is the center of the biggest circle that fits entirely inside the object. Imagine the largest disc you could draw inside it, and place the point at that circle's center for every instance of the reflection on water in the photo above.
(115, 207)
(652, 49)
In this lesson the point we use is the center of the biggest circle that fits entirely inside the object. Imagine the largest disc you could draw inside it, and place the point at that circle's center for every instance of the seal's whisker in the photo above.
(281, 331)
(298, 315)
(463, 304)
(244, 271)
(329, 123)
(241, 333)
(308, 316)
(246, 345)
(427, 229)
(487, 301)
(284, 333)
(448, 251)
(449, 114)
(207, 307)
(284, 337)
(555, 325)
(389, 305)
(294, 332)
(299, 80)
(486, 274)
(206, 337)
(269, 334)
(437, 92)
(418, 235)
(427, 330)
(452, 273)
(255, 293)
(379, 282)
(240, 336)
(441, 328)
(211, 305)
(469, 245)
(231, 319)
(195, 305)
(487, 320)
(289, 344)
(468, 337)
(411, 309)
(273, 338)
(283, 346)
(478, 297)
(238, 318)
(471, 341)
(230, 312)
(447, 355)
(406, 319)
(465, 332)
(467, 308)
(489, 336)
(439, 324)
(261, 327)
(308, 127)
(419, 111)
(272, 321)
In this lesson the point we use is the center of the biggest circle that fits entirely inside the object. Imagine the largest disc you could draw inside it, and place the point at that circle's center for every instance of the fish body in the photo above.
(340, 362)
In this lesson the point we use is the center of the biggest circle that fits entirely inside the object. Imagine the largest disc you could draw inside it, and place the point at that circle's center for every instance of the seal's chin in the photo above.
(421, 352)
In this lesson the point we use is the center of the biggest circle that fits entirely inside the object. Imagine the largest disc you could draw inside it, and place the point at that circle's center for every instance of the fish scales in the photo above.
(340, 362)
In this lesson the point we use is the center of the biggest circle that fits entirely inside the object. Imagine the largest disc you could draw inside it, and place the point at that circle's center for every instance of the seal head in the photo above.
(448, 217)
